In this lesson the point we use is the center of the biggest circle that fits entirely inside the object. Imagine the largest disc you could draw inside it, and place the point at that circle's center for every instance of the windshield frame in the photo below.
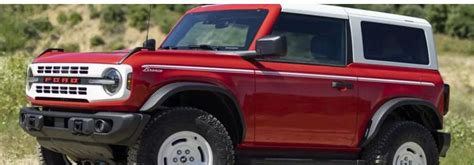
(249, 40)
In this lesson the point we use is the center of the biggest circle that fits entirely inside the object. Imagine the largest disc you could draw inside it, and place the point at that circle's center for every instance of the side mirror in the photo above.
(272, 45)
(149, 44)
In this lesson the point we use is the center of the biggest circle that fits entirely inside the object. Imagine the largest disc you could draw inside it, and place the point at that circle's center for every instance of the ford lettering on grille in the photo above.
(62, 80)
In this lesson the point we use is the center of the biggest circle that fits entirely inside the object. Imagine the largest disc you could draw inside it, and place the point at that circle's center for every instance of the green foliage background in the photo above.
(20, 31)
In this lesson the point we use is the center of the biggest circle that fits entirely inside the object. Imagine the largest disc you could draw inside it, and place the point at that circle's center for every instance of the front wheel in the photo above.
(402, 143)
(183, 135)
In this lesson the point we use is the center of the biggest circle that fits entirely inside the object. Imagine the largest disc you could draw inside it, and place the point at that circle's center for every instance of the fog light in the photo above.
(102, 126)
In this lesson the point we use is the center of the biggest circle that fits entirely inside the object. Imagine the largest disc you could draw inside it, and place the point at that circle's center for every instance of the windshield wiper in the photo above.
(203, 47)
(169, 47)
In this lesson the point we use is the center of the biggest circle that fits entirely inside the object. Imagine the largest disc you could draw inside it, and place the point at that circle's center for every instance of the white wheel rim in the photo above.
(409, 153)
(185, 147)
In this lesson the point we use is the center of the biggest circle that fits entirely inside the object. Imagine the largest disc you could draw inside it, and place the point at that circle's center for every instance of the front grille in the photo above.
(47, 69)
(51, 89)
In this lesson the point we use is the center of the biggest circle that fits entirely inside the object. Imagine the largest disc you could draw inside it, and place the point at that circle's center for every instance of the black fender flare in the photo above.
(388, 107)
(162, 94)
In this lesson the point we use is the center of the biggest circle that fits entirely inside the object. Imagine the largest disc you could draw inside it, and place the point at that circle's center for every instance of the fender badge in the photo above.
(151, 68)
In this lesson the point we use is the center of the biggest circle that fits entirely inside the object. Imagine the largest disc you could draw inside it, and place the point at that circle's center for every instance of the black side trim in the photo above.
(51, 50)
(446, 92)
(296, 154)
(161, 95)
(386, 109)
(349, 52)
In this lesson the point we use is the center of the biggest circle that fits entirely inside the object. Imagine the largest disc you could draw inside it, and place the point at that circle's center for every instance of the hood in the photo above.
(75, 57)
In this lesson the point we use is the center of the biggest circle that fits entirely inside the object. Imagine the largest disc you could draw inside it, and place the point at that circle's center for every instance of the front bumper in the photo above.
(81, 126)
(81, 135)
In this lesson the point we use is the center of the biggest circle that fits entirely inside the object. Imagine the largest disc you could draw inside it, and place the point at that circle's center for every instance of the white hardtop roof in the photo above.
(344, 13)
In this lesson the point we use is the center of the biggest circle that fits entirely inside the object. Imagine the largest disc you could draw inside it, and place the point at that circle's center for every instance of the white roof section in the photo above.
(344, 13)
(317, 10)
(381, 15)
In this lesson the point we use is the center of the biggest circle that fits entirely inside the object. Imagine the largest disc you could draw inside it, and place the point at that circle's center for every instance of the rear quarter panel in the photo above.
(374, 93)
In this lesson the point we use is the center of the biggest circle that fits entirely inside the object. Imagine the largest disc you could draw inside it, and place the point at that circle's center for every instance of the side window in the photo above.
(394, 43)
(312, 39)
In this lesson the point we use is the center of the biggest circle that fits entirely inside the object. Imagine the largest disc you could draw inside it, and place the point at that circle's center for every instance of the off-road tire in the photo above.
(381, 150)
(168, 122)
(48, 157)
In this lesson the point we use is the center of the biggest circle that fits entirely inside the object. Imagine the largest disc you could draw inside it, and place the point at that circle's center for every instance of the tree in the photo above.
(460, 21)
(437, 15)
(412, 10)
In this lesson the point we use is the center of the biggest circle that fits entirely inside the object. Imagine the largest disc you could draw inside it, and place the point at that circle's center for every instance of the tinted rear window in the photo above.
(394, 43)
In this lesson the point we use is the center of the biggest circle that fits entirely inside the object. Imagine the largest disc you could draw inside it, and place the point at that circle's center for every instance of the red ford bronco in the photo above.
(248, 84)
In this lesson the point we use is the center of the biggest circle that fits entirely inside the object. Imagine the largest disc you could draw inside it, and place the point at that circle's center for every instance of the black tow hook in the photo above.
(32, 122)
(81, 126)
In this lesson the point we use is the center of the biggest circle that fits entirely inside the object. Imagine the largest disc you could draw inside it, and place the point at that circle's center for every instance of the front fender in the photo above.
(158, 98)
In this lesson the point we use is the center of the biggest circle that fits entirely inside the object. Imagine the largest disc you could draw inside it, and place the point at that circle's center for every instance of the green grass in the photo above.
(15, 143)
(457, 71)
(450, 45)
(461, 126)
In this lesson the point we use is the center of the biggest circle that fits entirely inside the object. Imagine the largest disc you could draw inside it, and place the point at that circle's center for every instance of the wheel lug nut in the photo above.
(191, 158)
(187, 152)
(179, 152)
(175, 160)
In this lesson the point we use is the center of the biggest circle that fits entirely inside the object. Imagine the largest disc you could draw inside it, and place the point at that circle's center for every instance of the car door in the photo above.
(309, 96)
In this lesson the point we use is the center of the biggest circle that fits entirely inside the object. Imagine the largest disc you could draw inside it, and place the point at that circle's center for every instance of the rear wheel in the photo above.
(183, 135)
(402, 143)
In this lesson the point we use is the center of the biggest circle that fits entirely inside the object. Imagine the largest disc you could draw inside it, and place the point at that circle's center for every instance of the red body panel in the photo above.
(279, 111)
(305, 110)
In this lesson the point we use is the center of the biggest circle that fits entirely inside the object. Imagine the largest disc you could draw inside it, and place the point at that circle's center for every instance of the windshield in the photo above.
(230, 30)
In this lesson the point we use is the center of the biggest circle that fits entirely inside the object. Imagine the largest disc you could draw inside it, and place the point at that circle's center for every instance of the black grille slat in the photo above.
(48, 89)
(63, 69)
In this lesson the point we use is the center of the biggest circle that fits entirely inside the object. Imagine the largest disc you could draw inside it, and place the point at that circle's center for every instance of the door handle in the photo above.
(342, 85)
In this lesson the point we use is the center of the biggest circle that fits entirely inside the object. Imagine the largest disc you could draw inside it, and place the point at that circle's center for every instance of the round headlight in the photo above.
(112, 74)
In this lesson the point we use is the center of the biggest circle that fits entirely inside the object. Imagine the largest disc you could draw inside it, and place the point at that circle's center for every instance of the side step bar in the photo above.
(295, 157)
(290, 161)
